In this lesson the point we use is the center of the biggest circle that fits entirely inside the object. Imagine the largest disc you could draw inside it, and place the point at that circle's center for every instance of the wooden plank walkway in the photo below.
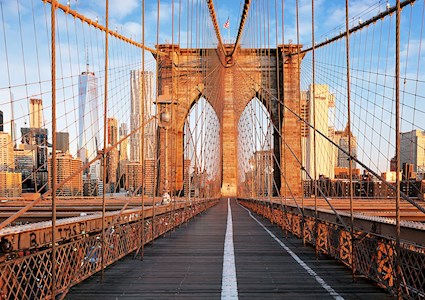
(189, 264)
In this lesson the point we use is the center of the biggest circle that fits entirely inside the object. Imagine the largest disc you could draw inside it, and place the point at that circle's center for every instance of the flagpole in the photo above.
(227, 26)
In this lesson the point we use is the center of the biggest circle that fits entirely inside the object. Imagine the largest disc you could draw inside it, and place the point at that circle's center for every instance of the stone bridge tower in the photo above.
(229, 84)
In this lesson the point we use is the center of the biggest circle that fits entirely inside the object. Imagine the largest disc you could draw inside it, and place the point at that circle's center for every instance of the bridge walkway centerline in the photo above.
(188, 263)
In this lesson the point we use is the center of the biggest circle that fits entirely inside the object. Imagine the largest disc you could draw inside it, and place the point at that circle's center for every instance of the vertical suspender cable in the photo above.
(187, 197)
(105, 135)
(174, 135)
(283, 114)
(54, 167)
(268, 137)
(299, 109)
(256, 111)
(313, 88)
(279, 105)
(350, 162)
(158, 141)
(313, 98)
(397, 139)
(142, 156)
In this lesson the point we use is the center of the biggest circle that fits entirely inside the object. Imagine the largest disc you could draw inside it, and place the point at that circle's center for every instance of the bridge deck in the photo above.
(189, 264)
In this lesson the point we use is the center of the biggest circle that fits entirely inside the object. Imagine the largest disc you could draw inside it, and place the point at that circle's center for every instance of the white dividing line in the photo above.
(319, 279)
(229, 284)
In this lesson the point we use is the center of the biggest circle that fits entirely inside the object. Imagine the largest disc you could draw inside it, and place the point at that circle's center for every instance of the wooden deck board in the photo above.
(188, 265)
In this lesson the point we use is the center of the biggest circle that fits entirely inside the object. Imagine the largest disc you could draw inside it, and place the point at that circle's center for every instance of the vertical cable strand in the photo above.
(54, 167)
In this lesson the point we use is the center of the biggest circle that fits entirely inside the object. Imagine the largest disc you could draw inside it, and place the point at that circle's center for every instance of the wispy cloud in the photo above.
(122, 8)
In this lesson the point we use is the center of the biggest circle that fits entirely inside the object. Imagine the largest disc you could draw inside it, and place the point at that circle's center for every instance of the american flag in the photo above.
(227, 24)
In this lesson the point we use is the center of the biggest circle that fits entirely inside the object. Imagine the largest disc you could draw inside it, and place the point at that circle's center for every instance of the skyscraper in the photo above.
(62, 141)
(135, 114)
(112, 158)
(88, 121)
(112, 131)
(134, 177)
(10, 184)
(341, 139)
(7, 161)
(412, 150)
(66, 166)
(150, 128)
(123, 146)
(136, 86)
(24, 164)
(37, 137)
(123, 156)
(325, 153)
(36, 113)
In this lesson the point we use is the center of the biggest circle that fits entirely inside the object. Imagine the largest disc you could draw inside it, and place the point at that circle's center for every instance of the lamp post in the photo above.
(165, 122)
(269, 171)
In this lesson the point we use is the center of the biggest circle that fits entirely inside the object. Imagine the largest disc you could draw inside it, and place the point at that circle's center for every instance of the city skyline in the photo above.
(407, 140)
(120, 85)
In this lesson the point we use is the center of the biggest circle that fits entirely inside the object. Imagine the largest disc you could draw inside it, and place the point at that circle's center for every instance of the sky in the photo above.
(25, 35)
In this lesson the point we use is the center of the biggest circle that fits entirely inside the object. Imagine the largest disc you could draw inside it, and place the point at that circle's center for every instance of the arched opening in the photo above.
(202, 155)
(255, 151)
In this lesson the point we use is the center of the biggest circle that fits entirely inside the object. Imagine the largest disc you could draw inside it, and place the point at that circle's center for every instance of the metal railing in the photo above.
(29, 276)
(370, 255)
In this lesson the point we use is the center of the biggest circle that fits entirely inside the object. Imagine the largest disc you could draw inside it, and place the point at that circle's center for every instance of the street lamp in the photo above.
(164, 102)
(269, 171)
